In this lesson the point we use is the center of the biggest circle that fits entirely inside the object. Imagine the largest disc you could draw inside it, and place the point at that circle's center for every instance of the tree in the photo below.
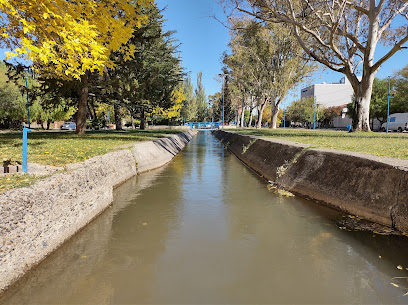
(188, 110)
(147, 79)
(215, 111)
(12, 105)
(47, 112)
(231, 97)
(239, 87)
(266, 116)
(247, 50)
(274, 59)
(246, 118)
(172, 115)
(330, 113)
(379, 99)
(70, 39)
(302, 111)
(201, 99)
(400, 86)
(47, 102)
(342, 35)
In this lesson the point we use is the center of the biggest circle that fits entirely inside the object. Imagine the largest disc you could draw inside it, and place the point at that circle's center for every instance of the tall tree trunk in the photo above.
(275, 103)
(82, 108)
(118, 118)
(250, 117)
(275, 113)
(261, 110)
(143, 120)
(48, 124)
(242, 116)
(361, 115)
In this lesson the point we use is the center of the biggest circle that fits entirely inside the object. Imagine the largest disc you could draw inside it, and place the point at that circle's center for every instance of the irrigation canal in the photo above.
(205, 229)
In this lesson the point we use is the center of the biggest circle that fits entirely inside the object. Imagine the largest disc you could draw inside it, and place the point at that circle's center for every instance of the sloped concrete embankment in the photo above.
(35, 220)
(373, 188)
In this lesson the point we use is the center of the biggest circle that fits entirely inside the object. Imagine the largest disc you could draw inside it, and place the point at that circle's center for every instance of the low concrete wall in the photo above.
(35, 220)
(373, 188)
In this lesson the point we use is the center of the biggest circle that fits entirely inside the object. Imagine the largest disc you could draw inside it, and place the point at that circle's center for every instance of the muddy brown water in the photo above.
(206, 230)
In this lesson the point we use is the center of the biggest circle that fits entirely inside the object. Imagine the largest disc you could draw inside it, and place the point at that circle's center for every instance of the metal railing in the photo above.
(204, 125)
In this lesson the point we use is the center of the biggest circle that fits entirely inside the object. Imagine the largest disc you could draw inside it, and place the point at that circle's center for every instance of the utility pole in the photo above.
(314, 112)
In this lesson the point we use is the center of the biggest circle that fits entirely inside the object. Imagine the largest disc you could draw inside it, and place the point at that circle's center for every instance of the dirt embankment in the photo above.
(35, 220)
(371, 187)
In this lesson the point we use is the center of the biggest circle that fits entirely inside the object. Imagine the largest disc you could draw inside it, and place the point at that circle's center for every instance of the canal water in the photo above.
(206, 230)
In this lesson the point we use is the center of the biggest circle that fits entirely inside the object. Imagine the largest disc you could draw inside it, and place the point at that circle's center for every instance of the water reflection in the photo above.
(205, 229)
(70, 270)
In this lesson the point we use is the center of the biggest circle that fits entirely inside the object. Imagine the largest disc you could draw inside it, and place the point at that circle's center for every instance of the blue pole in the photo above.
(28, 106)
(314, 113)
(388, 103)
(24, 161)
(223, 101)
(284, 123)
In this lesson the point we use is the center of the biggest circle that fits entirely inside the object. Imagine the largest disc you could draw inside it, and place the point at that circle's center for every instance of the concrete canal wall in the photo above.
(371, 187)
(36, 220)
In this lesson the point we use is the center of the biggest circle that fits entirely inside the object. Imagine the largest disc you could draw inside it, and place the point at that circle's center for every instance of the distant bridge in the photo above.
(204, 125)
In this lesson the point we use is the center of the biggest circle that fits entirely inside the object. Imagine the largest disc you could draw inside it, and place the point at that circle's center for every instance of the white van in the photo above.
(398, 122)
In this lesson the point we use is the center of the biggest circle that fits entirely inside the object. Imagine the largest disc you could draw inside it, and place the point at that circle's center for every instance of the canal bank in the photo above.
(36, 220)
(373, 188)
(205, 229)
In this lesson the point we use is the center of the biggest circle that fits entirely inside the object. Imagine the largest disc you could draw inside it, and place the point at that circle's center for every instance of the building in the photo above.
(330, 95)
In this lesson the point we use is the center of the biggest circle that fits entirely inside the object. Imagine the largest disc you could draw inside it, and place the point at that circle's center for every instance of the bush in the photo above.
(135, 122)
(96, 123)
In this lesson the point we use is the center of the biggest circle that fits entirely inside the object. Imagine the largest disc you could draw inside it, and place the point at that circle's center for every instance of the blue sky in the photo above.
(203, 40)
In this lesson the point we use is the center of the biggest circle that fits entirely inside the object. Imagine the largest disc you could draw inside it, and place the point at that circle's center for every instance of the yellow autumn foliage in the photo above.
(178, 97)
(71, 37)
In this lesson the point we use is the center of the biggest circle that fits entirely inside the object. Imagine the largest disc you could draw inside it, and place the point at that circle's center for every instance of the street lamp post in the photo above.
(223, 103)
(284, 122)
(25, 134)
(28, 105)
(223, 80)
(314, 112)
(388, 102)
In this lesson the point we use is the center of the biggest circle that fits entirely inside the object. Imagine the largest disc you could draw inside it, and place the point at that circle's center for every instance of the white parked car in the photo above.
(68, 126)
(398, 122)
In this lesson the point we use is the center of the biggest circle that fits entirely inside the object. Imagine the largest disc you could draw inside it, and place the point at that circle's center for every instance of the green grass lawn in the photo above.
(393, 145)
(61, 148)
